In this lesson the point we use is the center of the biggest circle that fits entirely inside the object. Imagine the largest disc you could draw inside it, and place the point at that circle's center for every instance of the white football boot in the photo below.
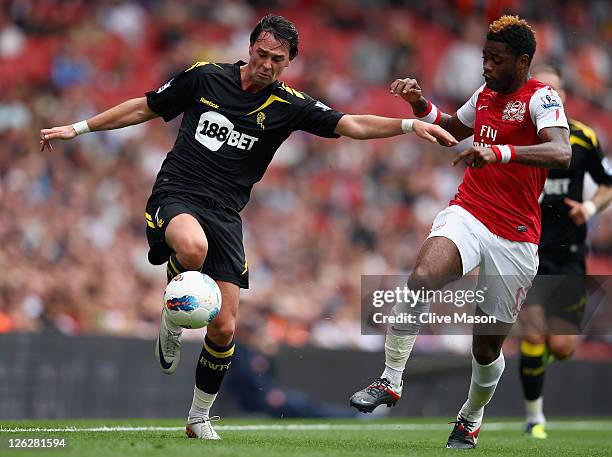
(202, 428)
(168, 346)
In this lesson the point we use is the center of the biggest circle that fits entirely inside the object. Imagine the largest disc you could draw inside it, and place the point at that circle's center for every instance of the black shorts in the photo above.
(560, 287)
(225, 260)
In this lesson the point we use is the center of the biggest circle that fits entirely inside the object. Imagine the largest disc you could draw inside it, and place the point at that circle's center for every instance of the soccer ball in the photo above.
(192, 299)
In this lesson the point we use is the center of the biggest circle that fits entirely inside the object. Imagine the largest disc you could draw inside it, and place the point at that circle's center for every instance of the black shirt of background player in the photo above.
(560, 236)
(229, 136)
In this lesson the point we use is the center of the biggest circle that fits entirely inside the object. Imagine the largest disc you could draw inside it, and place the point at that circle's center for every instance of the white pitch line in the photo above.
(561, 425)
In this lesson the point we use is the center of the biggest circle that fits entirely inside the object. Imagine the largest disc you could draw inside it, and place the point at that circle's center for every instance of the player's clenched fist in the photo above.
(406, 88)
(65, 132)
(476, 157)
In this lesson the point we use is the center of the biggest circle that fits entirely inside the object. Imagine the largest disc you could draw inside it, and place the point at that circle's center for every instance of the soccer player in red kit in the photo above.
(520, 131)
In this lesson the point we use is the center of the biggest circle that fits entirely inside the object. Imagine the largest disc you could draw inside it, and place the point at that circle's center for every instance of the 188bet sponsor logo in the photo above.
(214, 130)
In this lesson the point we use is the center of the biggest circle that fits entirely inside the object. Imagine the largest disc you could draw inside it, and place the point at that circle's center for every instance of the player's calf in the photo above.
(532, 366)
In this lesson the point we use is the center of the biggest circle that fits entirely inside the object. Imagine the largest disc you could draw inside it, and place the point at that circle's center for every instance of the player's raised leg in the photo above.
(213, 363)
(186, 238)
(438, 262)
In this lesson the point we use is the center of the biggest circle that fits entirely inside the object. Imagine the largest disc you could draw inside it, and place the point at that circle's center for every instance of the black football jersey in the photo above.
(559, 234)
(228, 136)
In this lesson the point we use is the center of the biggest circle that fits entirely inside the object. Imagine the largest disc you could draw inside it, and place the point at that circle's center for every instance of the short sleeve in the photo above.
(467, 113)
(172, 98)
(546, 109)
(318, 119)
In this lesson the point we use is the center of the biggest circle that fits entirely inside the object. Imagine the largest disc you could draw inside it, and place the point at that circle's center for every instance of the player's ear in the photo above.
(524, 62)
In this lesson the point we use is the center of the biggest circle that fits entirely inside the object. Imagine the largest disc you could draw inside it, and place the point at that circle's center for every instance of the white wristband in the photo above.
(81, 127)
(590, 207)
(506, 153)
(407, 125)
(431, 114)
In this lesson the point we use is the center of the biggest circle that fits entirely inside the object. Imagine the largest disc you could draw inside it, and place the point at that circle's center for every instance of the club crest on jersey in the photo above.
(514, 111)
(261, 117)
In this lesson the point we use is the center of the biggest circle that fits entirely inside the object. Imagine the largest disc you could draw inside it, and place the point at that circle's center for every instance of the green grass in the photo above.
(392, 437)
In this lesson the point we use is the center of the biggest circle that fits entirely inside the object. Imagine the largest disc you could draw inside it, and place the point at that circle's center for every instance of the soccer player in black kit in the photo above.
(551, 316)
(235, 117)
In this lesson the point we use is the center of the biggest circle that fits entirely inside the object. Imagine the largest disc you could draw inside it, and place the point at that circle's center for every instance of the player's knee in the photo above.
(535, 339)
(423, 278)
(485, 355)
(222, 333)
(191, 251)
(562, 348)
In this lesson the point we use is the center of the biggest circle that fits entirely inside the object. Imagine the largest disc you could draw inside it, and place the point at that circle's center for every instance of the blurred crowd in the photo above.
(73, 256)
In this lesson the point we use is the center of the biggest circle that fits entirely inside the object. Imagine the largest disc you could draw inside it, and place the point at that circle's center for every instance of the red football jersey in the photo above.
(504, 197)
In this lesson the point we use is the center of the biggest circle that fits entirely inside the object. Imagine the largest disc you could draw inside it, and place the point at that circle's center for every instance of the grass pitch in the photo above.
(286, 438)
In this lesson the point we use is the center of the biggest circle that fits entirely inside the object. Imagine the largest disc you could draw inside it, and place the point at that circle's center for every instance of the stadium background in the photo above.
(73, 256)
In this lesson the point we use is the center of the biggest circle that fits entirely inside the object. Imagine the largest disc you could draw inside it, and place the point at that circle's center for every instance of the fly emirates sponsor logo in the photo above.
(487, 137)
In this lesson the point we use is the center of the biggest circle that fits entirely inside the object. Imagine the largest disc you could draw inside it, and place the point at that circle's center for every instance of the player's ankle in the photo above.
(471, 415)
(394, 376)
(534, 411)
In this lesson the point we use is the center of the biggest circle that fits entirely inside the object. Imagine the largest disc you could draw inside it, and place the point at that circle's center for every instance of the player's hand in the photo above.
(433, 133)
(476, 157)
(577, 213)
(406, 88)
(65, 132)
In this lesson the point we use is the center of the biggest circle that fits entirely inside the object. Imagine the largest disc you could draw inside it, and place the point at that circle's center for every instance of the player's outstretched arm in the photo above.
(367, 126)
(130, 112)
(410, 91)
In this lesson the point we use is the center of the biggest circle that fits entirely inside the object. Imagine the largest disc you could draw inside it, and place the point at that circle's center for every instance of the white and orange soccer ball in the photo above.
(192, 299)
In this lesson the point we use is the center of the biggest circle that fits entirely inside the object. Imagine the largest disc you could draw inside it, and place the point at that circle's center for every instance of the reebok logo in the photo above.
(209, 103)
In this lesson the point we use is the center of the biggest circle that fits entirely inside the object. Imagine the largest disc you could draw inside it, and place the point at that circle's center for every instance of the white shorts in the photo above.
(507, 268)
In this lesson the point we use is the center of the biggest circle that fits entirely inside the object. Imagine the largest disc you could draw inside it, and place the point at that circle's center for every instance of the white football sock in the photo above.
(535, 411)
(393, 375)
(201, 404)
(482, 386)
(400, 340)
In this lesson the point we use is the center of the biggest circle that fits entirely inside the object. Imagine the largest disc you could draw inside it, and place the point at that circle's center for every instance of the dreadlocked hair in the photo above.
(516, 33)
